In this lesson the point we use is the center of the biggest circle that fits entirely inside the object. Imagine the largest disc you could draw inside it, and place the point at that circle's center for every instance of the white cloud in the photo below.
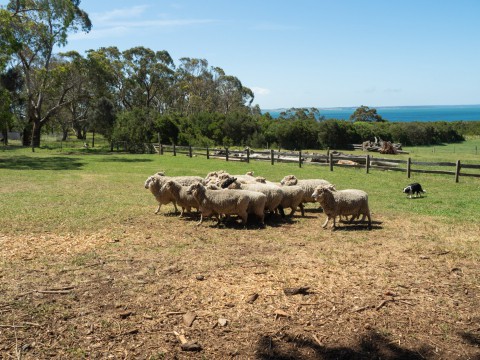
(260, 91)
(127, 13)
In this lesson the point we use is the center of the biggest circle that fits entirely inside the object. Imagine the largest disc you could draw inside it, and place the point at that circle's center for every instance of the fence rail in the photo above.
(331, 160)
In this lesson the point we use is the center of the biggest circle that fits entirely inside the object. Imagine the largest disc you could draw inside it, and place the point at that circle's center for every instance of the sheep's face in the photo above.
(229, 181)
(148, 182)
(250, 173)
(261, 179)
(321, 190)
(289, 180)
(194, 189)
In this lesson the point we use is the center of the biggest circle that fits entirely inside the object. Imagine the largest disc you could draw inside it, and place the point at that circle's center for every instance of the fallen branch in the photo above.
(171, 313)
(25, 325)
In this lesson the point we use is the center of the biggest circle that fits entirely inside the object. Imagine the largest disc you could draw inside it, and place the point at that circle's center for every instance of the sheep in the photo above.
(219, 202)
(274, 193)
(292, 198)
(308, 186)
(256, 205)
(154, 183)
(182, 180)
(179, 192)
(342, 202)
(258, 200)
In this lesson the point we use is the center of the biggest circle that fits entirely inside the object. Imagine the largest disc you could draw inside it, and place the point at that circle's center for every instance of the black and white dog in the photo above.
(414, 189)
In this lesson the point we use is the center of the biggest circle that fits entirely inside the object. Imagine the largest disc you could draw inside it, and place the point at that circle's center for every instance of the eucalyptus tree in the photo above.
(78, 100)
(34, 29)
(233, 96)
(149, 77)
(195, 87)
(11, 101)
(366, 114)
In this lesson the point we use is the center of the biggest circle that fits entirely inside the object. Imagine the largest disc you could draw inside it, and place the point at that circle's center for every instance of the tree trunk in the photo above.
(64, 134)
(36, 134)
(27, 135)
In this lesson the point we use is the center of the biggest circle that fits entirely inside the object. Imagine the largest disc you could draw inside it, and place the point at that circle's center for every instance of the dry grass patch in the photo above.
(406, 289)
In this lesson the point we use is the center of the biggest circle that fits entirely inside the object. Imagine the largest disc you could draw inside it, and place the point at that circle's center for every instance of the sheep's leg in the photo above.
(158, 208)
(334, 226)
(175, 206)
(280, 209)
(369, 219)
(244, 217)
(201, 219)
(183, 210)
(326, 222)
(302, 209)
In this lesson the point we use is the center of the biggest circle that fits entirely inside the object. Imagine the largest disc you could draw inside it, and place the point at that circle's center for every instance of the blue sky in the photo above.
(310, 53)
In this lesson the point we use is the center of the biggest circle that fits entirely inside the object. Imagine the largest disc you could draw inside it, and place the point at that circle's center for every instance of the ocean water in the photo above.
(404, 113)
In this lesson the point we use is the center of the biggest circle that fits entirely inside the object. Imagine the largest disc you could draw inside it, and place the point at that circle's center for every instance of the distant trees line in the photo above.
(139, 95)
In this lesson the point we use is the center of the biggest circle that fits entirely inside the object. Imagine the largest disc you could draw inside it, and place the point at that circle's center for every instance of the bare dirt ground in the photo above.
(407, 289)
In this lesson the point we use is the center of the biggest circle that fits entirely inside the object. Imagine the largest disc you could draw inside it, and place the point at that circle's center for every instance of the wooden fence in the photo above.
(330, 159)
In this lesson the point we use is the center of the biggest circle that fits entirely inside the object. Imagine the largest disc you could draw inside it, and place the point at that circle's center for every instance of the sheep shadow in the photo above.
(376, 225)
(38, 163)
(370, 346)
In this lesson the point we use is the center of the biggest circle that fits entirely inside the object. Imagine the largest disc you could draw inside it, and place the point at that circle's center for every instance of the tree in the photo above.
(364, 113)
(10, 99)
(35, 27)
(103, 118)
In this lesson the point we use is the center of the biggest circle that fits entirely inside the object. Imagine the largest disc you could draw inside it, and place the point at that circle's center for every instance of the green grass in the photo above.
(53, 191)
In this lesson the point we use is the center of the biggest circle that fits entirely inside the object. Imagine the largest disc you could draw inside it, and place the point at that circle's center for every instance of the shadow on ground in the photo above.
(35, 163)
(370, 346)
(125, 160)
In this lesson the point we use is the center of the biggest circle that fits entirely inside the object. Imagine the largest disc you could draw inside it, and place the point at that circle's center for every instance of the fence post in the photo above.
(457, 171)
(330, 161)
(174, 150)
(300, 158)
(161, 149)
(190, 150)
(272, 156)
(159, 144)
(409, 167)
(367, 164)
(208, 153)
(226, 153)
(248, 155)
(476, 150)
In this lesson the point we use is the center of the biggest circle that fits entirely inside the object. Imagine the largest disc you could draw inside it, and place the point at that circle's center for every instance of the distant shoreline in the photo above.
(419, 113)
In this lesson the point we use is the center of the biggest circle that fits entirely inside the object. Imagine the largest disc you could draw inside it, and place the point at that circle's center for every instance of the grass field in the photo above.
(88, 271)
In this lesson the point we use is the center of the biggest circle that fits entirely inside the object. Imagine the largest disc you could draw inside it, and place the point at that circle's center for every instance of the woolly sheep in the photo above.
(179, 192)
(219, 202)
(274, 194)
(256, 205)
(182, 180)
(292, 198)
(308, 186)
(342, 202)
(154, 183)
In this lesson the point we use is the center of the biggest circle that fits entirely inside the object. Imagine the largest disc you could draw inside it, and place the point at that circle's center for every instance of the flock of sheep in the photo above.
(221, 194)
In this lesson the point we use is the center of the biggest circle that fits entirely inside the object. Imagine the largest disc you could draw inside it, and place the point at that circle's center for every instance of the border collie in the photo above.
(414, 189)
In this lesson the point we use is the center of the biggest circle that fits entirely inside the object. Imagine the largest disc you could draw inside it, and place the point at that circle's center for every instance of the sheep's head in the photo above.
(249, 173)
(321, 190)
(149, 181)
(261, 179)
(227, 182)
(160, 173)
(195, 189)
(289, 180)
